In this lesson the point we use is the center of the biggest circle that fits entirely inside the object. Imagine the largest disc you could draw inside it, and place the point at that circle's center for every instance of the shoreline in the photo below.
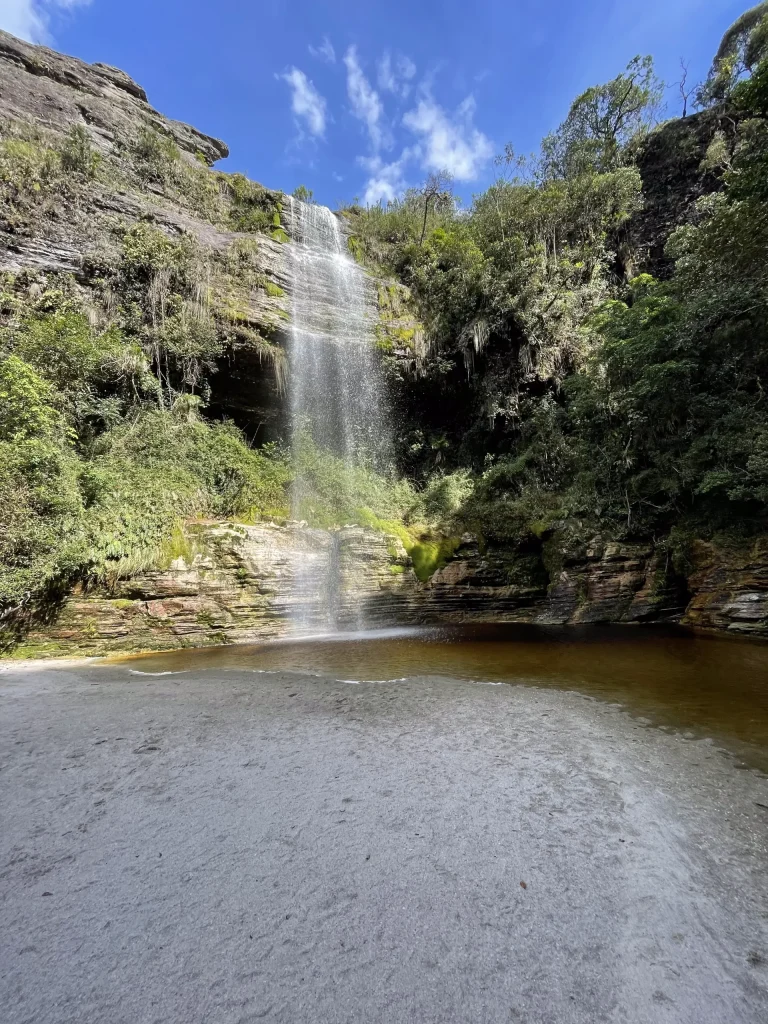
(299, 848)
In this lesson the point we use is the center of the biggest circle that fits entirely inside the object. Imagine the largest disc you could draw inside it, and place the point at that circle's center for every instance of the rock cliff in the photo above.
(152, 170)
(234, 582)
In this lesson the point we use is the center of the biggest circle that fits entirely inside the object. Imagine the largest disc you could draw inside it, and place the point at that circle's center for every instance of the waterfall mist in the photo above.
(337, 394)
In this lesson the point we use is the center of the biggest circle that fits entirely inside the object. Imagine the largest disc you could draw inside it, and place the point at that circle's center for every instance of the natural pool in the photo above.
(703, 685)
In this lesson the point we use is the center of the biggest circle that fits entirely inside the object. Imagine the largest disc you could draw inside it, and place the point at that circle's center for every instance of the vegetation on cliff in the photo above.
(547, 384)
(581, 393)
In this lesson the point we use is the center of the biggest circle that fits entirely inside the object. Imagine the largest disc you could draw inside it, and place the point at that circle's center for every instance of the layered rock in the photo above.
(729, 587)
(72, 91)
(611, 582)
(237, 583)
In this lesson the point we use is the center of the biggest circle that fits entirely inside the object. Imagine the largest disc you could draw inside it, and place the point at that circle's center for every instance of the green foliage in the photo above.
(156, 155)
(165, 282)
(252, 207)
(78, 155)
(93, 479)
(85, 368)
(304, 194)
(329, 492)
(428, 552)
(603, 122)
(27, 165)
(40, 503)
(742, 48)
(145, 475)
(630, 407)
(116, 511)
(31, 179)
(381, 235)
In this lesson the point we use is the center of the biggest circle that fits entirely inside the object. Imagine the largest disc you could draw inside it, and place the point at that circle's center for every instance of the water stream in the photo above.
(337, 394)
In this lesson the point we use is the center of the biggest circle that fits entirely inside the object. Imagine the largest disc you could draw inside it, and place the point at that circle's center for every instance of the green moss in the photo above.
(540, 527)
(273, 290)
(123, 605)
(355, 247)
(279, 235)
(427, 553)
(397, 570)
(430, 555)
(178, 545)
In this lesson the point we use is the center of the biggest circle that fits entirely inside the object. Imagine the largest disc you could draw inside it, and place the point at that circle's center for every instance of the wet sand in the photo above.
(228, 846)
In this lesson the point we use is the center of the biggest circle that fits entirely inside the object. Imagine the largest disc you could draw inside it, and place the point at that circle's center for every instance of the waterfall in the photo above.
(337, 393)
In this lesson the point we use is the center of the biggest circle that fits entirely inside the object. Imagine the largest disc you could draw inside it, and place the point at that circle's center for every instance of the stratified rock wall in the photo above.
(55, 91)
(236, 584)
(730, 588)
(612, 582)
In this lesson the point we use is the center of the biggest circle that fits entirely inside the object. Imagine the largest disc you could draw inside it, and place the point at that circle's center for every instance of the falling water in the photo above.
(337, 391)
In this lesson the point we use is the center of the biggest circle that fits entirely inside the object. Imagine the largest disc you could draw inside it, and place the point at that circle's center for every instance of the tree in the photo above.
(603, 121)
(304, 194)
(437, 190)
(685, 89)
(741, 49)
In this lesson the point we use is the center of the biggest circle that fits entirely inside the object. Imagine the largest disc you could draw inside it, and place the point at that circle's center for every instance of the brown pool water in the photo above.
(701, 686)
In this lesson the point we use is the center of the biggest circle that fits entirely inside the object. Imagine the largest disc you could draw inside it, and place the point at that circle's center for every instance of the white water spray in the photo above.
(337, 393)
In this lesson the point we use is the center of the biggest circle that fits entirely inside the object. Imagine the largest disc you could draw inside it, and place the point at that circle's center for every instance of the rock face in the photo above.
(104, 98)
(235, 584)
(674, 177)
(730, 588)
(612, 582)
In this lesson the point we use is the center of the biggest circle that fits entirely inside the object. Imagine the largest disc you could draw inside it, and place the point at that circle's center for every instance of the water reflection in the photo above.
(710, 686)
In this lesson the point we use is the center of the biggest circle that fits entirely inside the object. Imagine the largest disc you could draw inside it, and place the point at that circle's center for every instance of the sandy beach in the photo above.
(225, 847)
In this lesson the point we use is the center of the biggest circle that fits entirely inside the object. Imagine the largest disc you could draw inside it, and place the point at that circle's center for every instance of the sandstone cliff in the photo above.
(151, 170)
(233, 582)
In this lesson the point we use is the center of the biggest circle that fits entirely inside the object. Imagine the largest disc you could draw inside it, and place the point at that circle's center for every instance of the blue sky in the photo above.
(362, 99)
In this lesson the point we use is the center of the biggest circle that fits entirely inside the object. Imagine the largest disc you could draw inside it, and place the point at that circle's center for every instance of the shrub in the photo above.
(78, 155)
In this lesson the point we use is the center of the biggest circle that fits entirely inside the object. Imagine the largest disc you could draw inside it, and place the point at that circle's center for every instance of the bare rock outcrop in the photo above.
(105, 99)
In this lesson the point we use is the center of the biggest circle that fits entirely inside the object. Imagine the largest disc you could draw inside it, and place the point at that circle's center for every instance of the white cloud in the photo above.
(366, 105)
(396, 77)
(306, 102)
(386, 180)
(405, 67)
(450, 144)
(29, 19)
(387, 79)
(324, 51)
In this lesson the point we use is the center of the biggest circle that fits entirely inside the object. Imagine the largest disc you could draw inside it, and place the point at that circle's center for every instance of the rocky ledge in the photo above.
(240, 583)
(73, 92)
